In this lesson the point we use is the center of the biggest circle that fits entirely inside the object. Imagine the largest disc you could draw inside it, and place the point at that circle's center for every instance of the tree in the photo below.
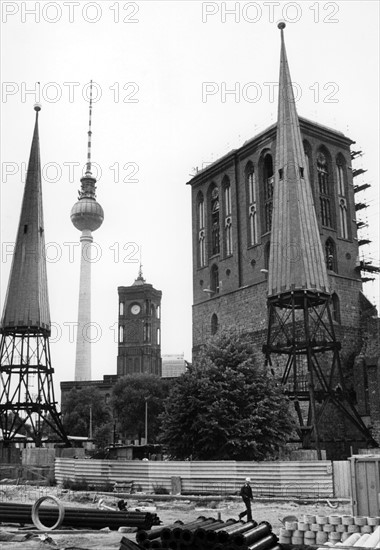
(76, 413)
(226, 407)
(128, 401)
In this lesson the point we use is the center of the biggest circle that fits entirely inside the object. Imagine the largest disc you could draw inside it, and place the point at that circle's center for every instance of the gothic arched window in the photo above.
(214, 324)
(343, 211)
(215, 222)
(121, 308)
(324, 189)
(268, 191)
(252, 204)
(201, 231)
(227, 217)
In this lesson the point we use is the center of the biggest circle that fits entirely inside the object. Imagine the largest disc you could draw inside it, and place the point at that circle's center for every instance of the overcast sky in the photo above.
(162, 73)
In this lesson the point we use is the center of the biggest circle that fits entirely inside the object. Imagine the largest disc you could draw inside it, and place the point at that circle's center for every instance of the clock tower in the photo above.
(139, 344)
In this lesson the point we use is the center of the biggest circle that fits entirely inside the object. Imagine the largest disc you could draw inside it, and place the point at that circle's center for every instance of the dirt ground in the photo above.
(168, 511)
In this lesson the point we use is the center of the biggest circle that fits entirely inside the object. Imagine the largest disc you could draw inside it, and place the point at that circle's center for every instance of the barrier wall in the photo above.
(269, 479)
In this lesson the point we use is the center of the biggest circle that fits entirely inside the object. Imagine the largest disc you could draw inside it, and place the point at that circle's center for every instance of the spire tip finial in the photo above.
(281, 25)
(37, 107)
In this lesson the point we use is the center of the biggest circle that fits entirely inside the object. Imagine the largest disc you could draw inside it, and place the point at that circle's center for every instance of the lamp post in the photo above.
(114, 419)
(90, 421)
(146, 420)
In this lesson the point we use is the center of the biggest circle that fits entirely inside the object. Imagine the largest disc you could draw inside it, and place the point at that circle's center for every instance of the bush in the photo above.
(159, 489)
(51, 481)
(81, 485)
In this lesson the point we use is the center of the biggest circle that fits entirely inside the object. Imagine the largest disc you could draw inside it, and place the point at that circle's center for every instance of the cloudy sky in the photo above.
(177, 84)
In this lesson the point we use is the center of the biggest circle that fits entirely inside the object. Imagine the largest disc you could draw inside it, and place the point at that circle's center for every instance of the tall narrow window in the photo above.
(252, 206)
(121, 308)
(228, 219)
(266, 255)
(340, 179)
(268, 192)
(215, 227)
(324, 190)
(335, 308)
(330, 255)
(214, 324)
(343, 214)
(201, 232)
(146, 332)
(121, 334)
(343, 218)
(214, 279)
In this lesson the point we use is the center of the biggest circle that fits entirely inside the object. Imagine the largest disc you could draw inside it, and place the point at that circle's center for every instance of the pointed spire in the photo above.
(296, 257)
(26, 304)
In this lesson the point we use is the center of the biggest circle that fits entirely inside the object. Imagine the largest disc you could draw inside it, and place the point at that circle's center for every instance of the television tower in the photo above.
(87, 215)
(27, 402)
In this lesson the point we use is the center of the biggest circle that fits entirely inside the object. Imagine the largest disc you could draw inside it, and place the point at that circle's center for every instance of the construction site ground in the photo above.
(169, 509)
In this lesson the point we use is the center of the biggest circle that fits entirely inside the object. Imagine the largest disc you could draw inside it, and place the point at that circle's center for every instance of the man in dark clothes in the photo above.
(246, 495)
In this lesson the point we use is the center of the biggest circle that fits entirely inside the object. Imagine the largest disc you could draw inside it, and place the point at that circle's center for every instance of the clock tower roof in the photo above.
(140, 279)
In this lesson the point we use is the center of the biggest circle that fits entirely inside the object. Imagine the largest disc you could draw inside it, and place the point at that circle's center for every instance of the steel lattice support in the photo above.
(27, 401)
(301, 330)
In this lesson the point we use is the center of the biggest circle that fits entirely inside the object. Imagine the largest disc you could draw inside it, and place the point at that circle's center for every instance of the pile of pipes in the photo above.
(210, 534)
(80, 518)
(320, 529)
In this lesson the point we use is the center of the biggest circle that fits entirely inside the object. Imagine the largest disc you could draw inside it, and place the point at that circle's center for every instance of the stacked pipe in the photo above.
(211, 534)
(368, 540)
(83, 518)
(315, 529)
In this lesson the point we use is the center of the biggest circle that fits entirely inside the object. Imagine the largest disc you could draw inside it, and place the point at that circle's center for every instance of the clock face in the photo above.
(135, 309)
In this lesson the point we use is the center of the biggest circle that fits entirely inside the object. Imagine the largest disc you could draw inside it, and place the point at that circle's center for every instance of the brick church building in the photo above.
(232, 202)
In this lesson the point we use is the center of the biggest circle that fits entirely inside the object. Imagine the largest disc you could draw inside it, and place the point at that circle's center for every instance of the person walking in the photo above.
(247, 496)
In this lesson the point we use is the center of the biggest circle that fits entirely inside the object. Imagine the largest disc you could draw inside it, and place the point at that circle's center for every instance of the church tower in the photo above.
(86, 215)
(27, 401)
(300, 322)
(139, 347)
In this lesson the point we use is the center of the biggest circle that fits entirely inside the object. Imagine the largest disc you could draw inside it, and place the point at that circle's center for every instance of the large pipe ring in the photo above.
(36, 519)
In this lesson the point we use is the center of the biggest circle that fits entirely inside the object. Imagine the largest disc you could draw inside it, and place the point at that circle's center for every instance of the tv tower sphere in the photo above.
(87, 214)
